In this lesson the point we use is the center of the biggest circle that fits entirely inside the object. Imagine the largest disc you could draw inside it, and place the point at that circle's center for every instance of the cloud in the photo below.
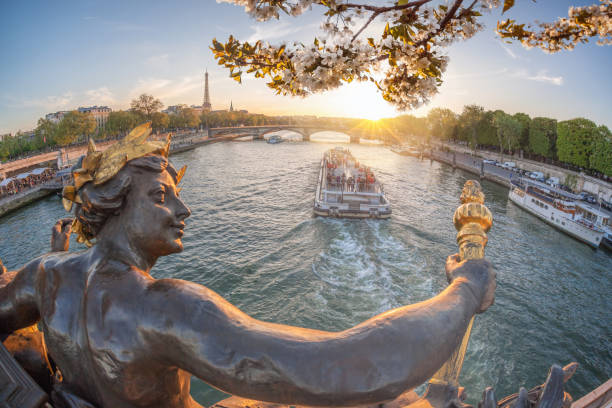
(158, 59)
(276, 30)
(46, 102)
(508, 51)
(542, 77)
(163, 88)
(481, 74)
(100, 96)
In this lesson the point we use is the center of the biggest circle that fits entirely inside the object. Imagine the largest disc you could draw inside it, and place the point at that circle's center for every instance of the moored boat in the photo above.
(406, 150)
(557, 208)
(348, 189)
(600, 218)
(274, 139)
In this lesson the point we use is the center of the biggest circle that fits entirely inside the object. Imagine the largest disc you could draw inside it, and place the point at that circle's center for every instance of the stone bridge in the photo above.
(305, 131)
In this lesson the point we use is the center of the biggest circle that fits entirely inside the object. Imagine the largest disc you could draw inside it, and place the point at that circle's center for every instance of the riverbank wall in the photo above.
(22, 199)
(481, 171)
(181, 143)
(583, 182)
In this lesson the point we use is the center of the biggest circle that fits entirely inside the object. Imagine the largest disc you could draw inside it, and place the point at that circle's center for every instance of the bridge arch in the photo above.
(299, 131)
(305, 131)
(333, 136)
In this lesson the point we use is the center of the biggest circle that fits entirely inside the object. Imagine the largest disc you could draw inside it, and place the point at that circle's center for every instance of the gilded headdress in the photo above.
(99, 167)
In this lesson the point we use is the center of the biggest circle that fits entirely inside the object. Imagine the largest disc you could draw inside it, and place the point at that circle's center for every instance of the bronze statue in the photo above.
(121, 338)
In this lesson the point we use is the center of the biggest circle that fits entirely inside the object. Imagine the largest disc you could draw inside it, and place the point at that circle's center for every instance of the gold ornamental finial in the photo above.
(472, 220)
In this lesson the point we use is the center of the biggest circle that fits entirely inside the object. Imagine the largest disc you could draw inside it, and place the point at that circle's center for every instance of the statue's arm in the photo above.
(18, 306)
(202, 333)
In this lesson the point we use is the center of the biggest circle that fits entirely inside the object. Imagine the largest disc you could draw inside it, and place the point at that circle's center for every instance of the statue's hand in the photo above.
(480, 276)
(60, 235)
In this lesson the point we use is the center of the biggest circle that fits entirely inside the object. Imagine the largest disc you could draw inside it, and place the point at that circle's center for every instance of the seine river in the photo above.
(253, 239)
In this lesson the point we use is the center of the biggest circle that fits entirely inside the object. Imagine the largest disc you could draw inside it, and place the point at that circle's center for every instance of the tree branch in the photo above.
(379, 10)
(372, 17)
(447, 18)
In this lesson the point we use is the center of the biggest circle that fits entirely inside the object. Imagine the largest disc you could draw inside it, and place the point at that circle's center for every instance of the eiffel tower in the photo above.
(206, 106)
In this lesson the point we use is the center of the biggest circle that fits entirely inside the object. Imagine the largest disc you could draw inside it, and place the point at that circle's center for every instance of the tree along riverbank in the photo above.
(31, 195)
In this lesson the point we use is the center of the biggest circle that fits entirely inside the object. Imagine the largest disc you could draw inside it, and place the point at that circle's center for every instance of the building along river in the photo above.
(253, 239)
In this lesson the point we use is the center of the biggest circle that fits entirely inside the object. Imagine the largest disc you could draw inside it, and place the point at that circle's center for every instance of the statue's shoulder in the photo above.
(178, 295)
(69, 261)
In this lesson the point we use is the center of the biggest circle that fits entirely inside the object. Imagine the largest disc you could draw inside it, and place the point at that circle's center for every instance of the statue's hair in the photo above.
(102, 201)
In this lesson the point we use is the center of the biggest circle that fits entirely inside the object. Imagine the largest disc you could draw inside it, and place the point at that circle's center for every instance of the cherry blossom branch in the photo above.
(448, 17)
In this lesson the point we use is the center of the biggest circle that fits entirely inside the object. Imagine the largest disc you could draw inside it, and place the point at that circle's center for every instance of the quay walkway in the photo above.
(180, 143)
(474, 165)
(595, 186)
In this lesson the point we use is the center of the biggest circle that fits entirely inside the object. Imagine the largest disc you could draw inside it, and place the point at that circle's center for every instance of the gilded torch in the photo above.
(472, 220)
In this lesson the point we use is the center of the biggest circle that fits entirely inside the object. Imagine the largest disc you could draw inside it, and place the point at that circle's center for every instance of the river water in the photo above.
(253, 239)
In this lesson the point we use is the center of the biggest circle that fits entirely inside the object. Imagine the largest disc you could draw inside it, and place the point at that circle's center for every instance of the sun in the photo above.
(362, 100)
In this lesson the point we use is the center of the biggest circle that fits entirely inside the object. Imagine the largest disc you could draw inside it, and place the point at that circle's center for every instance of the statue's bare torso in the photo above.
(90, 319)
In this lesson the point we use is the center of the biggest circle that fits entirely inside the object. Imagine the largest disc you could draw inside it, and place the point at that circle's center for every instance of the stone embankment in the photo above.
(592, 185)
(180, 143)
(24, 198)
(473, 165)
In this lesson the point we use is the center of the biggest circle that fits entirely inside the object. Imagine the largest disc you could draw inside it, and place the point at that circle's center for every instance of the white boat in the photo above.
(556, 207)
(274, 139)
(407, 150)
(347, 189)
(600, 217)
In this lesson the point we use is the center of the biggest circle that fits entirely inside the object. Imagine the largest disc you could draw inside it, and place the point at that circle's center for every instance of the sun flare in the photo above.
(362, 100)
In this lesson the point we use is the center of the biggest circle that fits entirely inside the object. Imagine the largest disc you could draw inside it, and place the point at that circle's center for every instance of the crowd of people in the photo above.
(347, 174)
(14, 185)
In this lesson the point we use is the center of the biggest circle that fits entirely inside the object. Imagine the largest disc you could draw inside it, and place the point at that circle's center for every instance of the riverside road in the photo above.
(475, 165)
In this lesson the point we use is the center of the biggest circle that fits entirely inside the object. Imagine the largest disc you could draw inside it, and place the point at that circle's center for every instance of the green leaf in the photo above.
(508, 4)
(402, 2)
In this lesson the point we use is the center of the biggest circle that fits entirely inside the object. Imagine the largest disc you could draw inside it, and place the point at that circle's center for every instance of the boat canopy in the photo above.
(545, 187)
(594, 211)
(40, 170)
(23, 176)
(6, 182)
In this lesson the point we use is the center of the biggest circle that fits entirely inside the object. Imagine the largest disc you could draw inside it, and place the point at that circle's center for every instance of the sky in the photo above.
(65, 54)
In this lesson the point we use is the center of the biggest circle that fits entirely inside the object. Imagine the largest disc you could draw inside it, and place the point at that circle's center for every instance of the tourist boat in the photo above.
(556, 207)
(348, 189)
(274, 139)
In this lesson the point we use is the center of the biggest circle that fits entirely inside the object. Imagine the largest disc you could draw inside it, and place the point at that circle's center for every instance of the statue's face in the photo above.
(154, 215)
